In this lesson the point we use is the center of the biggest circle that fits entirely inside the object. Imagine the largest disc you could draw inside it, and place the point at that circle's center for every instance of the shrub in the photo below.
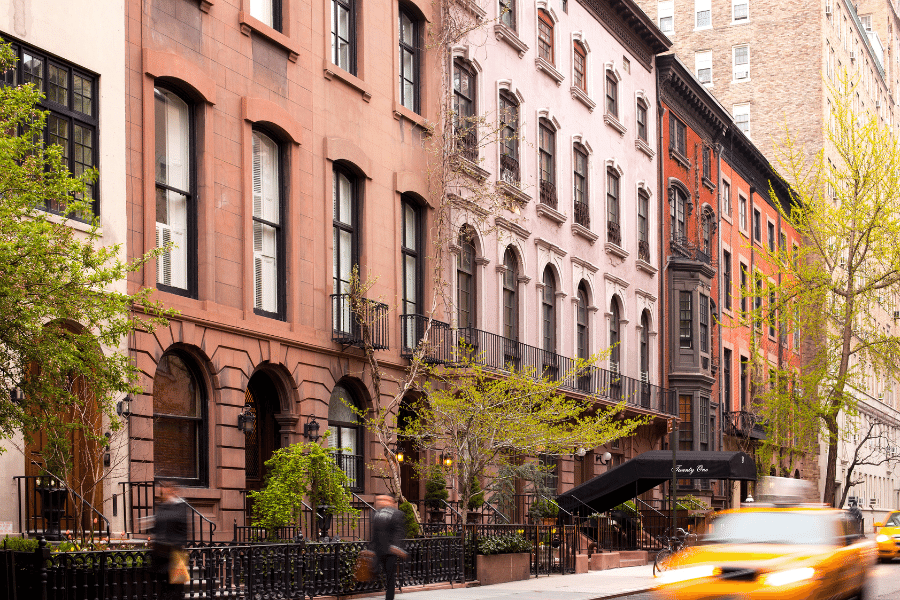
(629, 508)
(507, 543)
(476, 495)
(436, 489)
(412, 526)
(19, 544)
(543, 508)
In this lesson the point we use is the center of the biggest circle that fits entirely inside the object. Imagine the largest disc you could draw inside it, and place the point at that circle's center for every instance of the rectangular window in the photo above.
(771, 232)
(726, 198)
(704, 420)
(704, 323)
(466, 126)
(703, 12)
(643, 227)
(686, 426)
(267, 282)
(757, 226)
(745, 290)
(726, 275)
(740, 10)
(745, 365)
(612, 197)
(686, 326)
(741, 62)
(666, 11)
(508, 13)
(580, 59)
(742, 210)
(546, 150)
(580, 176)
(545, 36)
(343, 34)
(703, 65)
(773, 313)
(677, 136)
(726, 380)
(758, 303)
(70, 97)
(641, 121)
(612, 94)
(267, 11)
(409, 61)
(707, 163)
(410, 251)
(174, 190)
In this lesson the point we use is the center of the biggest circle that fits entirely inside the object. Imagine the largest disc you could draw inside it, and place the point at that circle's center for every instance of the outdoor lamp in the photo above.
(123, 407)
(16, 395)
(398, 452)
(604, 458)
(447, 460)
(311, 429)
(247, 420)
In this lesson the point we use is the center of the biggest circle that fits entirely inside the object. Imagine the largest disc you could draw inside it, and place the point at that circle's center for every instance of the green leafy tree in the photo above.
(62, 317)
(839, 287)
(484, 419)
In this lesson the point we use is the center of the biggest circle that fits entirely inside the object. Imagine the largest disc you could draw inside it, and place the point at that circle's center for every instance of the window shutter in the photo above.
(265, 206)
(257, 178)
(163, 261)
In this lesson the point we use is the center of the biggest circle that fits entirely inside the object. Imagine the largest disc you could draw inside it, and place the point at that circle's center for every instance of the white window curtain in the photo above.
(262, 10)
(740, 10)
(265, 235)
(666, 12)
(703, 12)
(703, 64)
(742, 117)
(172, 140)
(741, 62)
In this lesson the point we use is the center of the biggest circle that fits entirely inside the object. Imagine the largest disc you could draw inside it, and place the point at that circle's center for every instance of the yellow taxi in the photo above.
(772, 550)
(888, 538)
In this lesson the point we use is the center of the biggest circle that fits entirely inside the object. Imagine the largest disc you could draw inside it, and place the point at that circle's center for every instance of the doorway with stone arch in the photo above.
(263, 399)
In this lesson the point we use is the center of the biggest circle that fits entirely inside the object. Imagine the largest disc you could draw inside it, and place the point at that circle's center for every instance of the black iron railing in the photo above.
(743, 423)
(582, 214)
(548, 194)
(366, 325)
(644, 250)
(139, 496)
(509, 169)
(467, 142)
(49, 508)
(412, 330)
(354, 467)
(685, 248)
(614, 233)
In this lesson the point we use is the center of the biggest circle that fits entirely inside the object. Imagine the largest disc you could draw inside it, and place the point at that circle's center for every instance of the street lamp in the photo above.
(447, 460)
(398, 452)
(604, 458)
(311, 429)
(123, 407)
(247, 420)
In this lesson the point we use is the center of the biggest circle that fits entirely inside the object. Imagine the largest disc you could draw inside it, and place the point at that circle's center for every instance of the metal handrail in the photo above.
(361, 500)
(656, 510)
(496, 511)
(61, 484)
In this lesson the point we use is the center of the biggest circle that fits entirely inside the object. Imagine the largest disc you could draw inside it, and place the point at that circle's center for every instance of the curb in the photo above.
(626, 593)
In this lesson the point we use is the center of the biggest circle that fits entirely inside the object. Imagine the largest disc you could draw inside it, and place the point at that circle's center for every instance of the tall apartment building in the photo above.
(769, 65)
(84, 92)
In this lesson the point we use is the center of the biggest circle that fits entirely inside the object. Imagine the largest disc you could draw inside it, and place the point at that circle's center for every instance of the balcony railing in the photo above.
(509, 169)
(369, 325)
(412, 329)
(548, 194)
(745, 424)
(500, 353)
(582, 214)
(614, 233)
(682, 246)
(644, 250)
(467, 143)
(354, 467)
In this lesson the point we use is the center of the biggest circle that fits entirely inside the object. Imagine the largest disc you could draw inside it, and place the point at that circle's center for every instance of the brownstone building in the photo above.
(270, 142)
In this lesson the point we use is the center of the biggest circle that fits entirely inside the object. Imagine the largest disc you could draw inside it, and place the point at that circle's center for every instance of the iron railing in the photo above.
(48, 507)
(138, 497)
(412, 330)
(467, 143)
(644, 250)
(614, 233)
(368, 325)
(582, 214)
(509, 169)
(548, 194)
(745, 424)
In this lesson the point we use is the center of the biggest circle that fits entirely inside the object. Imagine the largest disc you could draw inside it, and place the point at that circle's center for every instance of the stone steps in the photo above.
(601, 561)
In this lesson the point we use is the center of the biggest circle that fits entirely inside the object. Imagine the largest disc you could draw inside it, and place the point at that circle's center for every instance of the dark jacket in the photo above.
(169, 531)
(388, 529)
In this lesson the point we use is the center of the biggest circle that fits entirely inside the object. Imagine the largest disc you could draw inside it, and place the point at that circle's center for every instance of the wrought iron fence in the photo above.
(347, 326)
(548, 194)
(48, 507)
(745, 424)
(582, 214)
(467, 141)
(614, 233)
(138, 497)
(644, 250)
(412, 329)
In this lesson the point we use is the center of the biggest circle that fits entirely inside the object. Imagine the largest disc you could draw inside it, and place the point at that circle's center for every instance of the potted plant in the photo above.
(409, 515)
(476, 501)
(502, 558)
(436, 495)
(544, 510)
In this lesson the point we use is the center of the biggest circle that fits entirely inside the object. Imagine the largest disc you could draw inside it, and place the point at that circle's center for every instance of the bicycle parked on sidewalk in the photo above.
(673, 545)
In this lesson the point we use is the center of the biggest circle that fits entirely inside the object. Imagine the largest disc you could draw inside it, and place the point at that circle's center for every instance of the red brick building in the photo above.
(718, 223)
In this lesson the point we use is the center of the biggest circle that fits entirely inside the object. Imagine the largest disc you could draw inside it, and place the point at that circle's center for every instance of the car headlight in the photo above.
(881, 538)
(789, 576)
(685, 574)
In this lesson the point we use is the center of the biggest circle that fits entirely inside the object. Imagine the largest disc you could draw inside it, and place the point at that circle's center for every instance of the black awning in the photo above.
(648, 470)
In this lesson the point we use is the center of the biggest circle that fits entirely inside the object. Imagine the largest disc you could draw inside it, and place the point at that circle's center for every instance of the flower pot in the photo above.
(53, 507)
(324, 520)
(500, 568)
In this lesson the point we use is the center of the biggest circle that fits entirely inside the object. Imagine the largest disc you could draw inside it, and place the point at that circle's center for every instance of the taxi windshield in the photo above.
(769, 528)
(893, 520)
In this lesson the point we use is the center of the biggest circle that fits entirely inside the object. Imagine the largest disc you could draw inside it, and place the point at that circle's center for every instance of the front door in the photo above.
(261, 397)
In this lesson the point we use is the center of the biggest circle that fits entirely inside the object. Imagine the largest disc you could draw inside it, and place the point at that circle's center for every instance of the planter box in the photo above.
(500, 568)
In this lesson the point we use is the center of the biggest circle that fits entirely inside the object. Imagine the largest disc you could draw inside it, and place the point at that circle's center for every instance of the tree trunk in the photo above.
(831, 461)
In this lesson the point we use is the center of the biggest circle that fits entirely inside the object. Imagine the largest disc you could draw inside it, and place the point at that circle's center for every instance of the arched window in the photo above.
(580, 66)
(175, 270)
(677, 210)
(545, 36)
(706, 226)
(645, 346)
(509, 138)
(582, 323)
(179, 422)
(614, 339)
(268, 252)
(548, 311)
(510, 296)
(465, 280)
(580, 177)
(347, 434)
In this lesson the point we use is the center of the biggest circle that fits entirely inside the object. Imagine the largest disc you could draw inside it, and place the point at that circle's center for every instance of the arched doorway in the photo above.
(263, 399)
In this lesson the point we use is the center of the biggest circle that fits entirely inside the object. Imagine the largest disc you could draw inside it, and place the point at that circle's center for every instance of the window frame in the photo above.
(615, 335)
(757, 226)
(277, 16)
(280, 271)
(745, 285)
(726, 198)
(739, 111)
(613, 196)
(548, 312)
(351, 227)
(546, 37)
(735, 3)
(546, 129)
(641, 114)
(685, 320)
(191, 198)
(727, 357)
(581, 175)
(360, 434)
(670, 14)
(508, 18)
(510, 285)
(466, 243)
(735, 63)
(465, 120)
(678, 211)
(726, 275)
(582, 324)
(698, 4)
(414, 51)
(612, 94)
(742, 213)
(579, 76)
(414, 253)
(509, 137)
(703, 310)
(677, 136)
(350, 7)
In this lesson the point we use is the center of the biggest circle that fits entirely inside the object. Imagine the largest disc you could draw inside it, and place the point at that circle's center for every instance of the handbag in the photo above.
(178, 568)
(365, 566)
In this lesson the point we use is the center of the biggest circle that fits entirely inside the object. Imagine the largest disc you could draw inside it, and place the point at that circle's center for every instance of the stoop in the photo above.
(633, 558)
(604, 560)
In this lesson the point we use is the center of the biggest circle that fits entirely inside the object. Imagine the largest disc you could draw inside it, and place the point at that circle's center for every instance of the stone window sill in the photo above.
(505, 34)
(549, 69)
(550, 213)
(709, 184)
(401, 112)
(679, 157)
(206, 5)
(580, 95)
(513, 191)
(643, 265)
(332, 71)
(615, 250)
(249, 24)
(644, 147)
(613, 122)
(582, 231)
(468, 167)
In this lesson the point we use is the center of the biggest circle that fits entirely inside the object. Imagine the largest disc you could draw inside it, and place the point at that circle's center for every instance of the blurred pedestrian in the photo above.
(169, 537)
(388, 531)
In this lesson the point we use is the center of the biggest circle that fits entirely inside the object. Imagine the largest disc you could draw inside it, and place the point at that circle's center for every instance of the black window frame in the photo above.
(677, 136)
(770, 231)
(757, 225)
(744, 381)
(191, 194)
(413, 50)
(467, 249)
(360, 434)
(703, 307)
(685, 320)
(350, 7)
(281, 254)
(615, 334)
(726, 273)
(745, 282)
(415, 253)
(67, 113)
(685, 428)
(582, 324)
(727, 357)
(202, 479)
(645, 345)
(510, 295)
(353, 227)
(508, 16)
(548, 311)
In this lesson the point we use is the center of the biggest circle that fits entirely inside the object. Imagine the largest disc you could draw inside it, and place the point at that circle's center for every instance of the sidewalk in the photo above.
(587, 586)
